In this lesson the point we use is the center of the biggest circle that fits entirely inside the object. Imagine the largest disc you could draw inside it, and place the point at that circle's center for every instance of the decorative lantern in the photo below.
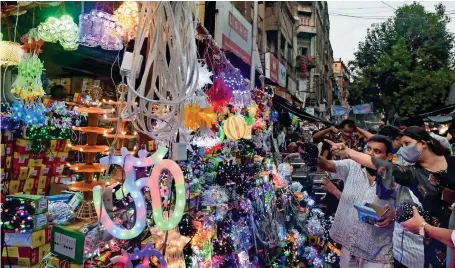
(63, 30)
(10, 53)
(235, 127)
(127, 16)
(99, 28)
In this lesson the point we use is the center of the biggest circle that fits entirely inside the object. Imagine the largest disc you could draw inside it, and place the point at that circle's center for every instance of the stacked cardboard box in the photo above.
(27, 235)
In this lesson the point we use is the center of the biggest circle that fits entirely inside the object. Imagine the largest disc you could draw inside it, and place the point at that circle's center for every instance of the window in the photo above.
(304, 51)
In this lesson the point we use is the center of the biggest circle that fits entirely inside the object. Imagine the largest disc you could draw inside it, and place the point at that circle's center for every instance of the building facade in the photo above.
(314, 70)
(293, 48)
(342, 76)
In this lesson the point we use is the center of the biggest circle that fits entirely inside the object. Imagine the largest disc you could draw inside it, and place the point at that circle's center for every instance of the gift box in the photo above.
(61, 157)
(57, 169)
(16, 186)
(37, 202)
(25, 256)
(30, 185)
(49, 159)
(31, 240)
(68, 243)
(23, 146)
(62, 146)
(45, 170)
(35, 162)
(21, 173)
(62, 263)
(8, 161)
(20, 160)
(44, 182)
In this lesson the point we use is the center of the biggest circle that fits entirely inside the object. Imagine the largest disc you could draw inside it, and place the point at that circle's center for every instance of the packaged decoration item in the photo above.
(405, 212)
(369, 213)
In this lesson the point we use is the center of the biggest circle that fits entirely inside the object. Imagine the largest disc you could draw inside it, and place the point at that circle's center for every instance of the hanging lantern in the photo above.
(235, 127)
(10, 53)
(127, 16)
(99, 28)
(61, 29)
(247, 135)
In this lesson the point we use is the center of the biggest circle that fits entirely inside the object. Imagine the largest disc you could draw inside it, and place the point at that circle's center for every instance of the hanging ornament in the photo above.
(99, 28)
(28, 86)
(63, 30)
(204, 75)
(195, 117)
(235, 127)
(10, 53)
(127, 16)
(219, 94)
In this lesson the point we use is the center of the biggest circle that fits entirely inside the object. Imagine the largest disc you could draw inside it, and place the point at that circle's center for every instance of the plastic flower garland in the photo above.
(63, 30)
(28, 86)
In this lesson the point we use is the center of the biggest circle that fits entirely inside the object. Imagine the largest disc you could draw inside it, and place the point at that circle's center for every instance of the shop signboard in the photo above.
(310, 110)
(271, 67)
(282, 75)
(233, 31)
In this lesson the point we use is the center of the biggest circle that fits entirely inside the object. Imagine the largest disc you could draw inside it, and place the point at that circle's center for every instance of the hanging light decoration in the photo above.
(99, 28)
(127, 16)
(10, 53)
(28, 85)
(63, 30)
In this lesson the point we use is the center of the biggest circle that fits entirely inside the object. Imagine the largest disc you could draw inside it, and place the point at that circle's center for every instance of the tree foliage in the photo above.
(405, 65)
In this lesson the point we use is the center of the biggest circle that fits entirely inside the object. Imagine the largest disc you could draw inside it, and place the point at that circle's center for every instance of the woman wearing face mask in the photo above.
(431, 178)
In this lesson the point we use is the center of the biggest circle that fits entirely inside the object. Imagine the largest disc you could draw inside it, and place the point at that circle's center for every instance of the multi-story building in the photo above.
(314, 70)
(342, 76)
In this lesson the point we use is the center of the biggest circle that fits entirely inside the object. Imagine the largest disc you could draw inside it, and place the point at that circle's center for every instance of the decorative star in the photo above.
(204, 75)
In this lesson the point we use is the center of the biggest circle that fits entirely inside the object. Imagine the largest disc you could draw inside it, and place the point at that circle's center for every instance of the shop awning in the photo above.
(281, 103)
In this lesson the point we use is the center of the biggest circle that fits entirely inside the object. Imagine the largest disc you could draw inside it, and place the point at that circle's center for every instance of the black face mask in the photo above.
(371, 171)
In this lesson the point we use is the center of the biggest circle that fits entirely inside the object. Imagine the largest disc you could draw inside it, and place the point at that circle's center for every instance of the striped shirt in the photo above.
(362, 240)
(407, 247)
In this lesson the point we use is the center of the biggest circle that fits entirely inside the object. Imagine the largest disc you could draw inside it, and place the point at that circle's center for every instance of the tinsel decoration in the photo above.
(405, 212)
(219, 94)
(60, 213)
(195, 117)
(99, 28)
(186, 226)
(204, 75)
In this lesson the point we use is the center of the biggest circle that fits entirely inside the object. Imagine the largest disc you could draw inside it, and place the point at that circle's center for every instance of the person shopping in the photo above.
(431, 178)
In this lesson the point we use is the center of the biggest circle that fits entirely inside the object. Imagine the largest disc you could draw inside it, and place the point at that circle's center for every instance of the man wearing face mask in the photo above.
(346, 132)
(431, 178)
(363, 245)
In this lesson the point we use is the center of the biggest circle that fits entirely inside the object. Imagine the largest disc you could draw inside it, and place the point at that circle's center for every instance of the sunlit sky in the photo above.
(346, 32)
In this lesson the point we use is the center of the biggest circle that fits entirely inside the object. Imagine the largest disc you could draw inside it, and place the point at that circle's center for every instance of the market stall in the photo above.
(168, 163)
